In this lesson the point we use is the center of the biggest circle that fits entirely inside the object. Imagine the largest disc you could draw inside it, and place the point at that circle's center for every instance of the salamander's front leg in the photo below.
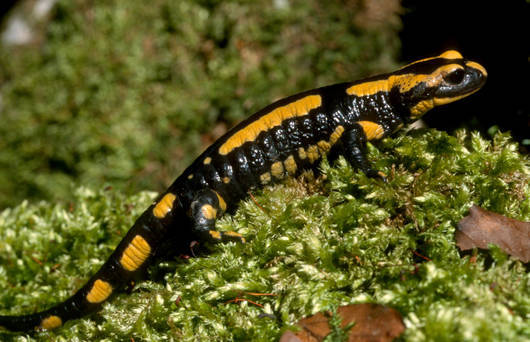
(207, 206)
(354, 145)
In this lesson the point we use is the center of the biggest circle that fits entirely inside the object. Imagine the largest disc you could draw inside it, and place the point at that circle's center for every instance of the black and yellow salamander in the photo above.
(279, 141)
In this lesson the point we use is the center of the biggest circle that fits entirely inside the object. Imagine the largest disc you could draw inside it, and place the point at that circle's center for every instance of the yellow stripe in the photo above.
(478, 67)
(274, 118)
(372, 130)
(369, 88)
(438, 101)
(301, 153)
(208, 212)
(290, 165)
(405, 83)
(277, 169)
(449, 54)
(222, 203)
(51, 322)
(164, 206)
(100, 291)
(215, 234)
(408, 81)
(135, 254)
(312, 153)
(323, 146)
(423, 106)
(337, 133)
(127, 263)
(130, 261)
(233, 235)
(265, 178)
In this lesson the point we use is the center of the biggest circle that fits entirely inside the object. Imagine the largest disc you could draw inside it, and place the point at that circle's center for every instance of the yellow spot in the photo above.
(100, 291)
(190, 176)
(323, 146)
(372, 130)
(135, 254)
(215, 234)
(290, 165)
(164, 205)
(226, 180)
(301, 153)
(277, 169)
(312, 153)
(222, 203)
(207, 160)
(208, 212)
(274, 118)
(51, 322)
(337, 133)
(265, 178)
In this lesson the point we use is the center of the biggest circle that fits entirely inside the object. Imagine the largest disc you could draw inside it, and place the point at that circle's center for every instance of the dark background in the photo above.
(491, 33)
(5, 6)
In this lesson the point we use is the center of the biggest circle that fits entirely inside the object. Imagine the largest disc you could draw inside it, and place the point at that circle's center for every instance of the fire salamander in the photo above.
(279, 141)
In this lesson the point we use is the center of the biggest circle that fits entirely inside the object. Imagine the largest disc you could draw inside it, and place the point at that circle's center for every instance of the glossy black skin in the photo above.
(185, 223)
(244, 165)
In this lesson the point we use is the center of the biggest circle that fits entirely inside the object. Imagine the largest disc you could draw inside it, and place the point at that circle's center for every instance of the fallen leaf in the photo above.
(482, 227)
(290, 336)
(373, 323)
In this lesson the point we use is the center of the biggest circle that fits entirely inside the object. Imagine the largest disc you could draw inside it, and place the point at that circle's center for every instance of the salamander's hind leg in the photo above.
(206, 207)
(354, 145)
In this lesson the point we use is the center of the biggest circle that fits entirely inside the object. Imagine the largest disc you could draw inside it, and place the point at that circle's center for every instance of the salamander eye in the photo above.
(454, 77)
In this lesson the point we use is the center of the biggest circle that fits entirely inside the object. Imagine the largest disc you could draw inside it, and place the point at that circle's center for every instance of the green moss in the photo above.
(315, 246)
(128, 93)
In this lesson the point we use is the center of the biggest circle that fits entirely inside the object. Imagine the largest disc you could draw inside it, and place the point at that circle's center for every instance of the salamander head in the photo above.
(427, 83)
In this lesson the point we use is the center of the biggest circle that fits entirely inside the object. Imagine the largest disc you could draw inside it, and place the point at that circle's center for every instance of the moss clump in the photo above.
(128, 93)
(347, 239)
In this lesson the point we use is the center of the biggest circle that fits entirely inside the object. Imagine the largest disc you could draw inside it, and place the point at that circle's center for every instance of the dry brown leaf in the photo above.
(373, 323)
(290, 336)
(482, 227)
